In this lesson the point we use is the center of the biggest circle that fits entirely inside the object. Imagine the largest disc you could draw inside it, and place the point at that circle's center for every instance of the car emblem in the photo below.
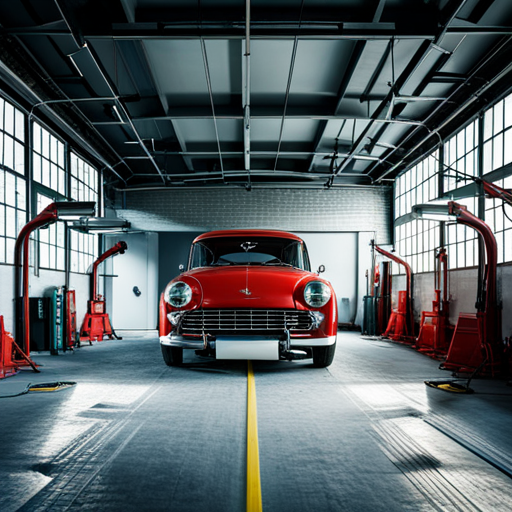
(246, 291)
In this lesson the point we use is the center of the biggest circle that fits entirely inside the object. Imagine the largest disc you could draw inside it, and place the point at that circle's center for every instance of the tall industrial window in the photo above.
(497, 153)
(13, 203)
(498, 135)
(416, 240)
(51, 240)
(13, 207)
(462, 241)
(84, 187)
(498, 216)
(48, 157)
(461, 154)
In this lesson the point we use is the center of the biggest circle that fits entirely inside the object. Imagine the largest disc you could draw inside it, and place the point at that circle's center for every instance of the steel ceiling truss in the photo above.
(154, 137)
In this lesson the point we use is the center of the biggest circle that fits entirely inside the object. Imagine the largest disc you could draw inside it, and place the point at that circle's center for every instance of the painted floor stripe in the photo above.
(253, 457)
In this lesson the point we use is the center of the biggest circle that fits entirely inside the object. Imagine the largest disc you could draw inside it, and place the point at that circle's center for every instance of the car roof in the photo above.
(249, 233)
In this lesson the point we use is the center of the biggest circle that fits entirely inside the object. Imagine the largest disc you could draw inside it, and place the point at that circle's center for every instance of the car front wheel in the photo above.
(323, 356)
(173, 356)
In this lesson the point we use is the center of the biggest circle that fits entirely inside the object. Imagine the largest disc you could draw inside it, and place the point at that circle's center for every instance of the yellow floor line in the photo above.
(253, 456)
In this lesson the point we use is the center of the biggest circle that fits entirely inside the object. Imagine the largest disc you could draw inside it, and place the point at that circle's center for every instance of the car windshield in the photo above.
(271, 251)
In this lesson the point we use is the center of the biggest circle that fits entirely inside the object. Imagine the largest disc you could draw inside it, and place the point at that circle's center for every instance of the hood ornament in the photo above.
(246, 291)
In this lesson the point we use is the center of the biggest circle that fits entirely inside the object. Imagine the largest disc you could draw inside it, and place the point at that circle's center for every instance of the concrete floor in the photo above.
(365, 434)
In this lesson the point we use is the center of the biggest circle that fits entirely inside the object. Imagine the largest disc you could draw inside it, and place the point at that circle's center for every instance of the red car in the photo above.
(249, 294)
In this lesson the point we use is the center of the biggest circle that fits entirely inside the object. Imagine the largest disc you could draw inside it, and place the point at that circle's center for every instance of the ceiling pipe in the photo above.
(418, 58)
(210, 93)
(123, 112)
(274, 186)
(455, 114)
(246, 93)
(82, 45)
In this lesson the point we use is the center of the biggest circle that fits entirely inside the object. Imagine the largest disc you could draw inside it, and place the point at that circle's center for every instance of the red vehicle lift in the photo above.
(401, 323)
(7, 365)
(96, 324)
(476, 343)
(435, 330)
(52, 213)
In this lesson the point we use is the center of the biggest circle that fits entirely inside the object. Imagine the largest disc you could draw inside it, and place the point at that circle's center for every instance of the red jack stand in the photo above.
(401, 323)
(435, 330)
(96, 324)
(477, 344)
(51, 214)
(397, 325)
(8, 367)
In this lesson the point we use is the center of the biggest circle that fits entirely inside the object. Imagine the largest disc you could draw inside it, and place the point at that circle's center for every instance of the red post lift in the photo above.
(476, 343)
(96, 324)
(52, 213)
(7, 365)
(435, 330)
(401, 323)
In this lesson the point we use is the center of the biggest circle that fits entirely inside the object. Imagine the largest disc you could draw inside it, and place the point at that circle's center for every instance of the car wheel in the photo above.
(323, 356)
(173, 356)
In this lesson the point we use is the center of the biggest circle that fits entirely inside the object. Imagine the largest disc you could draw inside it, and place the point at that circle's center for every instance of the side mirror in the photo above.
(181, 268)
(321, 269)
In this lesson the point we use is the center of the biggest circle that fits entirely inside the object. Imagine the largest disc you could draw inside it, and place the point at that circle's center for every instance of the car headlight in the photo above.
(317, 294)
(179, 294)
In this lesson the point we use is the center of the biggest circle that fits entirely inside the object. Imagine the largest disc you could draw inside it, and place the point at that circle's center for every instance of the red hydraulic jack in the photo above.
(476, 344)
(401, 324)
(96, 324)
(52, 213)
(435, 330)
(7, 365)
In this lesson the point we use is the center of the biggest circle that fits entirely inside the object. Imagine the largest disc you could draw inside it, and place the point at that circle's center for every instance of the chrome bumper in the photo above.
(175, 340)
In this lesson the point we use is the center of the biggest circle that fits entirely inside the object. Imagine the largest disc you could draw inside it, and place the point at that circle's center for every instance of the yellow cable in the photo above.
(253, 457)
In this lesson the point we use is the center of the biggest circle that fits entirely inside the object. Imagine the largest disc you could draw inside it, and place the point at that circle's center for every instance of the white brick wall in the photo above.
(350, 209)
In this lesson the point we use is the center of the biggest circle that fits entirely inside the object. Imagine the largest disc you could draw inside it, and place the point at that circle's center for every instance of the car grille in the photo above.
(217, 321)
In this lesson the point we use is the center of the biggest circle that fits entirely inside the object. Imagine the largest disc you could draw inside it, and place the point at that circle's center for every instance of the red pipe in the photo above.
(408, 285)
(494, 191)
(491, 310)
(120, 247)
(48, 216)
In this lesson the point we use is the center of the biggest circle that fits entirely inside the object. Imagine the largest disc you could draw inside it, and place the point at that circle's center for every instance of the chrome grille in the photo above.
(216, 321)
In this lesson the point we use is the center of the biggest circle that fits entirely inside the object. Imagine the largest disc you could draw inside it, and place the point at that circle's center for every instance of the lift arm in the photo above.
(490, 302)
(52, 213)
(408, 289)
(119, 248)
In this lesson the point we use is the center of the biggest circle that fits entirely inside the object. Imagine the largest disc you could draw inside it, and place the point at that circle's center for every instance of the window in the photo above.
(497, 216)
(12, 212)
(462, 241)
(416, 241)
(84, 187)
(83, 251)
(48, 160)
(461, 154)
(84, 180)
(51, 240)
(13, 203)
(498, 135)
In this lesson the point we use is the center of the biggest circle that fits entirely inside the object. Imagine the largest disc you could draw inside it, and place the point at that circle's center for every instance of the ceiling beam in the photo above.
(333, 33)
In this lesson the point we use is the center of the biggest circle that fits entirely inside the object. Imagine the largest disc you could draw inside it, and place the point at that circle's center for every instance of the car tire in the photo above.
(323, 356)
(173, 356)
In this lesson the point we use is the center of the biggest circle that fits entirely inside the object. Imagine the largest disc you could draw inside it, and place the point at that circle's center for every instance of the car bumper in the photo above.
(175, 340)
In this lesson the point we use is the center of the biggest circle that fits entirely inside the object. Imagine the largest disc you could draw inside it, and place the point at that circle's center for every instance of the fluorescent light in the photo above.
(118, 115)
(438, 212)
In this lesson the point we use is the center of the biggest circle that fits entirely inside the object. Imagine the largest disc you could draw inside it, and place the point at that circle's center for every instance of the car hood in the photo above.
(249, 286)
